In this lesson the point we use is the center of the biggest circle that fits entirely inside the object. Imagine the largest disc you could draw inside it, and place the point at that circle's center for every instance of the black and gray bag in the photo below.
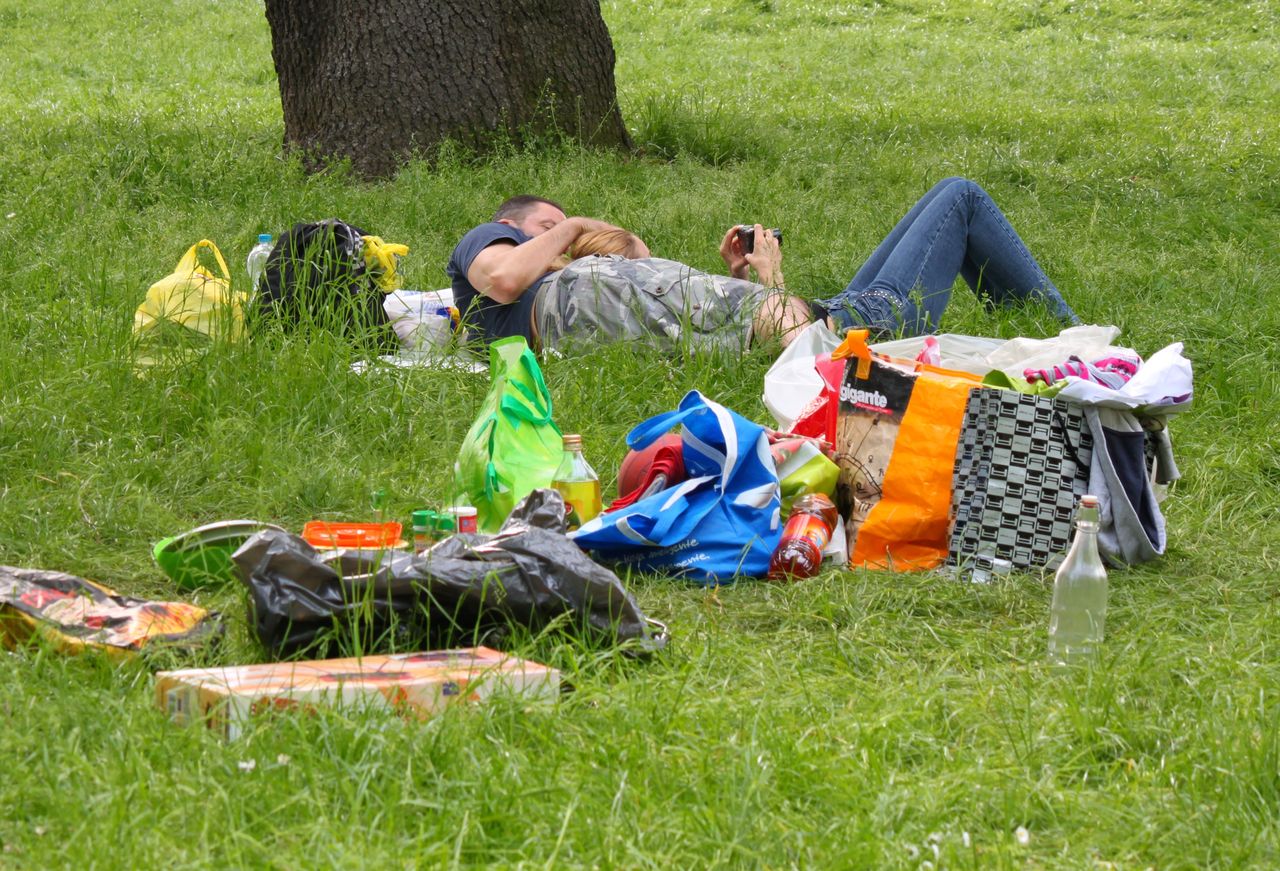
(316, 277)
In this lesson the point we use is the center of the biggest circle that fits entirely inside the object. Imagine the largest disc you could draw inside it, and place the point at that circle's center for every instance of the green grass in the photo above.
(857, 720)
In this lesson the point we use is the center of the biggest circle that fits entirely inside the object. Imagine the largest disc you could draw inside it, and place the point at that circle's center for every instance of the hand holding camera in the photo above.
(740, 252)
(762, 251)
(747, 237)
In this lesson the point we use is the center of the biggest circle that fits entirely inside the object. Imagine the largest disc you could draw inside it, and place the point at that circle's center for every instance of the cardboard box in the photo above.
(415, 684)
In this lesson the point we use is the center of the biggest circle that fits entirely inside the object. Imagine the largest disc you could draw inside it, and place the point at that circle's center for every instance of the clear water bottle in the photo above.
(1079, 609)
(257, 262)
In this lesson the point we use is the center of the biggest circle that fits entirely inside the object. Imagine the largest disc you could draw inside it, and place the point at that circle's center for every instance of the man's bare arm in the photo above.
(503, 271)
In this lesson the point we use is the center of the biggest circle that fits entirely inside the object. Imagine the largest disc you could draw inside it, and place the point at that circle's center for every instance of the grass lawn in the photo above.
(855, 720)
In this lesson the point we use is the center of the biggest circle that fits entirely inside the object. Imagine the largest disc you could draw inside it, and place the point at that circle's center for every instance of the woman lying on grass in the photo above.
(614, 290)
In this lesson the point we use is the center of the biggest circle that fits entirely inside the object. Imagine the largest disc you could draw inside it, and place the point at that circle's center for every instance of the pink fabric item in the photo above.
(1111, 372)
(931, 353)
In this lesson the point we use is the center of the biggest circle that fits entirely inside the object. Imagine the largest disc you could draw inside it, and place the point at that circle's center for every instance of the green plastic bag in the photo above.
(514, 447)
(802, 469)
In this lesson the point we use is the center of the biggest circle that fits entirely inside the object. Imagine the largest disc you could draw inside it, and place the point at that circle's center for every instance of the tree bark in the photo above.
(377, 81)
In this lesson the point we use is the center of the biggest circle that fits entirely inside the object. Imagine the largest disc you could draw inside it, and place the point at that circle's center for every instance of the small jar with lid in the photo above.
(425, 523)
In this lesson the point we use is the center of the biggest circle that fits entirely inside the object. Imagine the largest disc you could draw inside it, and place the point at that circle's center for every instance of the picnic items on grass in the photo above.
(1023, 461)
(187, 310)
(805, 466)
(332, 275)
(513, 447)
(75, 615)
(466, 589)
(793, 384)
(423, 320)
(1011, 465)
(646, 471)
(721, 522)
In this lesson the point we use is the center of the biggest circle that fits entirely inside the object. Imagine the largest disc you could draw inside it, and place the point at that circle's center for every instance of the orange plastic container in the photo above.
(323, 533)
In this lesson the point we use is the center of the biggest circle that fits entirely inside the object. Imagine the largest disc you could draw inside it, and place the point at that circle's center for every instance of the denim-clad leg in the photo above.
(954, 229)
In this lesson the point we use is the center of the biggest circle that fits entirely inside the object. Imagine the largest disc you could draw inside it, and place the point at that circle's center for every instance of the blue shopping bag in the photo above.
(721, 522)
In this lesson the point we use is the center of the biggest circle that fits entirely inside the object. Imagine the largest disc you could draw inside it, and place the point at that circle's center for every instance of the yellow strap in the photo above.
(381, 257)
(189, 263)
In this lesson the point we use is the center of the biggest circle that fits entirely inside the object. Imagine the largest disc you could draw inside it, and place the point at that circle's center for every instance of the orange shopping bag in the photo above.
(899, 423)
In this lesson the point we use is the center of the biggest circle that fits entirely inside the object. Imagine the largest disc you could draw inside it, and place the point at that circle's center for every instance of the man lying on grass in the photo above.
(512, 276)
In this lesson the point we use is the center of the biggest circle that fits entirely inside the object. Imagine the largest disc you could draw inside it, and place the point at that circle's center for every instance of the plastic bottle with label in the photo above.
(257, 261)
(578, 483)
(804, 538)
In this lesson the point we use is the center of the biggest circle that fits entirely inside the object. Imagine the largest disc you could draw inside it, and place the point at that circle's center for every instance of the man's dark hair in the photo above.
(516, 208)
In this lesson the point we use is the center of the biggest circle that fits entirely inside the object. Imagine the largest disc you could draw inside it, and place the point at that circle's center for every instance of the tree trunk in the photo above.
(375, 82)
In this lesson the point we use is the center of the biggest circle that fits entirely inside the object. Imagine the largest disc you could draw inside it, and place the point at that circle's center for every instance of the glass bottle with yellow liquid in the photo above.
(577, 483)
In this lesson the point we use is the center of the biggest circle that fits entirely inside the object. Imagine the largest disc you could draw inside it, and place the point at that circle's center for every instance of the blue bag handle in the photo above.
(646, 432)
(677, 515)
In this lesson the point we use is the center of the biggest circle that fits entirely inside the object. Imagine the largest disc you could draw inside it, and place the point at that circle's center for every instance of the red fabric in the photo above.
(639, 468)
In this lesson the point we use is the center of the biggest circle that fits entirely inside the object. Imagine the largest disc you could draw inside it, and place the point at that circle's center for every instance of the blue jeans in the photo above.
(954, 229)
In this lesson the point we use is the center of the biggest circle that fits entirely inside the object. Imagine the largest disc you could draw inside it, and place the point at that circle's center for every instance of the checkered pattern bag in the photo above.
(1022, 463)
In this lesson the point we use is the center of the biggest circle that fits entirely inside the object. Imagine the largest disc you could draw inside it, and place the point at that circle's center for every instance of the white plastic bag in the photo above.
(420, 317)
(1087, 341)
(792, 382)
(956, 351)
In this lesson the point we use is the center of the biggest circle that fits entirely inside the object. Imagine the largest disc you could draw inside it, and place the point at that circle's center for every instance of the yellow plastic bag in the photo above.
(382, 258)
(188, 308)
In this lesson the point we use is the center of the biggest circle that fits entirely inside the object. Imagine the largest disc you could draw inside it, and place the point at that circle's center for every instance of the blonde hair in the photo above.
(608, 242)
(615, 241)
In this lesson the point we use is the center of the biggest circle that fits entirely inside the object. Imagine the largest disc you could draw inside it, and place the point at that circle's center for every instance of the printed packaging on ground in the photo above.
(415, 684)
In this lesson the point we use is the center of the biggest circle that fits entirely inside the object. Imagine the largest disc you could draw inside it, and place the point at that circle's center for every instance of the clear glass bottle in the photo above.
(1079, 611)
(577, 483)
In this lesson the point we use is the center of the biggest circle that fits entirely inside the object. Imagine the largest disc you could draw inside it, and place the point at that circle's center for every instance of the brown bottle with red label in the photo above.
(804, 538)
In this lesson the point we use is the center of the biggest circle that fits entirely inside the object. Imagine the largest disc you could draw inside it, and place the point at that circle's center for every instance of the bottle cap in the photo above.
(463, 511)
(1089, 501)
(446, 523)
(424, 518)
(264, 237)
(572, 442)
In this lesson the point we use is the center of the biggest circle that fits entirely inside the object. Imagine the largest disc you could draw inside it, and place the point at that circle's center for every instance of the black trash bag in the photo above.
(468, 589)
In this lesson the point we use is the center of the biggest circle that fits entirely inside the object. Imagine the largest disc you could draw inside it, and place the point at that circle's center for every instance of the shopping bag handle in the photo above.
(537, 406)
(189, 261)
(678, 512)
(666, 510)
(855, 346)
(646, 432)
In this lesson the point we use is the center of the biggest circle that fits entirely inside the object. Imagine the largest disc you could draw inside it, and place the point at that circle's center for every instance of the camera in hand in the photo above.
(747, 236)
